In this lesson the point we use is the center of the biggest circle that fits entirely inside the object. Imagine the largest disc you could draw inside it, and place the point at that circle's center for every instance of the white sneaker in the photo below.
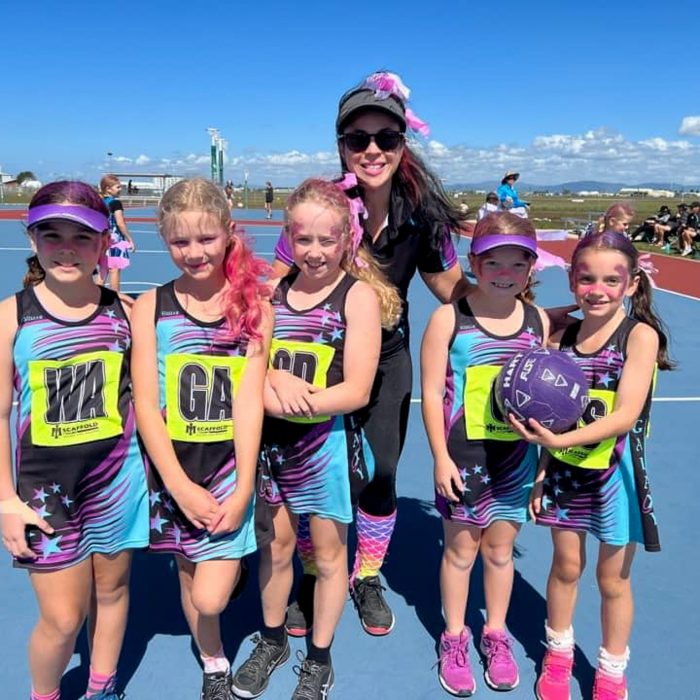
(686, 251)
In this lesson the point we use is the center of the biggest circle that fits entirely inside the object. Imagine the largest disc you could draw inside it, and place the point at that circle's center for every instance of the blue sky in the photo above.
(559, 91)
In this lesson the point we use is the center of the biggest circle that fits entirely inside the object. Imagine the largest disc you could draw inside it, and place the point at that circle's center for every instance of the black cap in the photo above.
(359, 99)
(694, 204)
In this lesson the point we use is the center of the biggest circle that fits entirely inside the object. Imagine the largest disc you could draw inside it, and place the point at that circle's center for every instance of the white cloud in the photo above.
(690, 126)
(595, 154)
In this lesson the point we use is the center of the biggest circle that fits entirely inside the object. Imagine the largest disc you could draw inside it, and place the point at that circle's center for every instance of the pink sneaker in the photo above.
(555, 679)
(454, 671)
(608, 688)
(501, 670)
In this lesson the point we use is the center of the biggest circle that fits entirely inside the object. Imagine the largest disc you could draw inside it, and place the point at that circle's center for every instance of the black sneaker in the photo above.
(252, 677)
(375, 614)
(217, 686)
(300, 614)
(315, 680)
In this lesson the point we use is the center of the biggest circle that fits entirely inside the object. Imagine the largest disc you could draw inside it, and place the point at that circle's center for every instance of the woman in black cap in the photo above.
(408, 230)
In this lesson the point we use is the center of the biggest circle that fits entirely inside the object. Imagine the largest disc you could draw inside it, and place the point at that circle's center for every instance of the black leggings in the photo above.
(385, 421)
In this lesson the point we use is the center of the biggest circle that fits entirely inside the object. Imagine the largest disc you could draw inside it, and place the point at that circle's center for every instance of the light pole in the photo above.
(245, 188)
(109, 160)
(222, 144)
(214, 134)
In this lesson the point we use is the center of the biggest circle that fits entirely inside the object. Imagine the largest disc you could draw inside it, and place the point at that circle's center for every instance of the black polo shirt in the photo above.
(402, 248)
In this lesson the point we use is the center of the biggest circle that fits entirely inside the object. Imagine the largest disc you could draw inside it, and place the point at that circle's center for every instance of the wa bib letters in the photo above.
(75, 401)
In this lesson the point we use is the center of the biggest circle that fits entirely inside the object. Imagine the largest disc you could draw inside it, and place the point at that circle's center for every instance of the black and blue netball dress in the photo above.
(317, 465)
(603, 488)
(495, 464)
(78, 461)
(199, 368)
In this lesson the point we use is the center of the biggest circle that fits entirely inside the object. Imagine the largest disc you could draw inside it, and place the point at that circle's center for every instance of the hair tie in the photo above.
(357, 210)
(645, 265)
(387, 84)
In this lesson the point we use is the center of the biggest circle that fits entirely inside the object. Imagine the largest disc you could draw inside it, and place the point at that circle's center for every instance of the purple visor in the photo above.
(85, 216)
(499, 240)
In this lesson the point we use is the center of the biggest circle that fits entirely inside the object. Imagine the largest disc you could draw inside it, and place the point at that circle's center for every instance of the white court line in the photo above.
(655, 399)
(660, 289)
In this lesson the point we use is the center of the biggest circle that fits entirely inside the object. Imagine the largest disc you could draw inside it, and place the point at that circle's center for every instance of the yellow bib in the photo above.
(308, 361)
(600, 403)
(75, 401)
(479, 410)
(199, 395)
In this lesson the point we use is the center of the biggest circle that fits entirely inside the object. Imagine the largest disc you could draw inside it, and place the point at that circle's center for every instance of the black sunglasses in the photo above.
(386, 140)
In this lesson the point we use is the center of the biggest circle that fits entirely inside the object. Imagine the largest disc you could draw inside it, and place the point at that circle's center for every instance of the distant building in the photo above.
(644, 192)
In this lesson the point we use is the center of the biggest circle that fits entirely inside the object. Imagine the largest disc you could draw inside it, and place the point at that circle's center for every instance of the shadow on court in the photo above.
(412, 571)
(155, 609)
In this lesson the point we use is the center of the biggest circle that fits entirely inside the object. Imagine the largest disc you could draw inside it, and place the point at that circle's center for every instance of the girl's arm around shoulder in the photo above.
(200, 506)
(546, 325)
(448, 285)
(363, 339)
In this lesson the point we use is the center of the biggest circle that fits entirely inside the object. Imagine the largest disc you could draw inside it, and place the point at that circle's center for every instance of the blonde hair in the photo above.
(616, 211)
(362, 265)
(108, 181)
(247, 290)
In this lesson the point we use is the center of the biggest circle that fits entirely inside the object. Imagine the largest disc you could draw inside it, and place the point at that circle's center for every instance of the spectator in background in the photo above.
(508, 195)
(228, 193)
(689, 232)
(617, 217)
(129, 188)
(122, 244)
(488, 207)
(269, 197)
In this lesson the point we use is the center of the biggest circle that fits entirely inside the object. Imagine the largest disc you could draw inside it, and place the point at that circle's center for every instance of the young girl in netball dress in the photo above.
(483, 470)
(201, 346)
(329, 314)
(79, 504)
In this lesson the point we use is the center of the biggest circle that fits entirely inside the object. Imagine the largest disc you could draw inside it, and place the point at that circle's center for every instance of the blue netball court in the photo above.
(159, 661)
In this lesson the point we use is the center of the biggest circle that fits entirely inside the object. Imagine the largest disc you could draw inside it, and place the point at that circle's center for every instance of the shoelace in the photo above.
(217, 687)
(370, 590)
(309, 674)
(557, 668)
(499, 649)
(456, 652)
(260, 657)
(607, 689)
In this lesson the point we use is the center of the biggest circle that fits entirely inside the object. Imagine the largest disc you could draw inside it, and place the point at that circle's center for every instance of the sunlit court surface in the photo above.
(159, 661)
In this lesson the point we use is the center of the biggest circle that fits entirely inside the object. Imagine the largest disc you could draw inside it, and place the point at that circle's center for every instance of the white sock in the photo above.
(562, 642)
(612, 665)
(215, 664)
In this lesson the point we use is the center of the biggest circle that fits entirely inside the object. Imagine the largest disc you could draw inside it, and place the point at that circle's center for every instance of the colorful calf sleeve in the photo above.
(373, 537)
(99, 683)
(305, 547)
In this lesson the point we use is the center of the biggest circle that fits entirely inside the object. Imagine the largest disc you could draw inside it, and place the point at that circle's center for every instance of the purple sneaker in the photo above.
(454, 671)
(501, 671)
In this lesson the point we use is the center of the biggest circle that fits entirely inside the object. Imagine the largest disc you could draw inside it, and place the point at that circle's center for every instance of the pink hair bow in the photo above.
(385, 84)
(358, 211)
(645, 264)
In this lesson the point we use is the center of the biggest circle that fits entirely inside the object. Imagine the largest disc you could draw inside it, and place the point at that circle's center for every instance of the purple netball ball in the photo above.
(543, 384)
